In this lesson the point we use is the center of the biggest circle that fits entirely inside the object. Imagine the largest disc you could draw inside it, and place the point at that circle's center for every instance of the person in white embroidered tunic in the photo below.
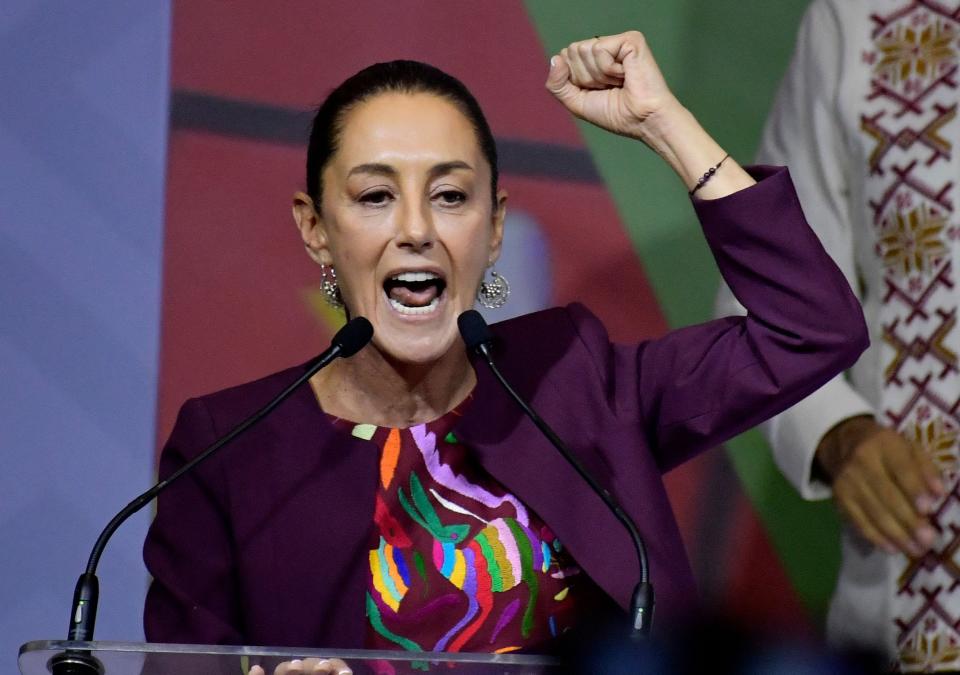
(866, 120)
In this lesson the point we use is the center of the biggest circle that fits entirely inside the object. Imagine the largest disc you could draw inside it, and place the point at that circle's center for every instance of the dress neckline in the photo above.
(447, 420)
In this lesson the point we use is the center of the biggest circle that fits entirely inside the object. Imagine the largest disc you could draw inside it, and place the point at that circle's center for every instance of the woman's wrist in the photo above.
(660, 129)
(676, 135)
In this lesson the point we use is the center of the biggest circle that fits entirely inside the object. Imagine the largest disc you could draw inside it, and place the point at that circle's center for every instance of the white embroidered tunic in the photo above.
(866, 120)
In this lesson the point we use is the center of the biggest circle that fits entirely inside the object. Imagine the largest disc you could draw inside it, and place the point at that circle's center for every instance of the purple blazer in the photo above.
(267, 542)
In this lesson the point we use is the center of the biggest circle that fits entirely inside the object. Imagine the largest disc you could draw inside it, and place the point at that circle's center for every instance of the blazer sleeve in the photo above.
(699, 386)
(805, 130)
(188, 550)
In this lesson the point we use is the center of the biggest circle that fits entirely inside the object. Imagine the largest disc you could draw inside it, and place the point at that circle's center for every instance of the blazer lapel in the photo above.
(515, 453)
(317, 472)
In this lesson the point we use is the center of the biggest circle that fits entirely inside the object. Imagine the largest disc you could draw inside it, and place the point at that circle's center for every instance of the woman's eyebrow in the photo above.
(374, 168)
(379, 169)
(448, 167)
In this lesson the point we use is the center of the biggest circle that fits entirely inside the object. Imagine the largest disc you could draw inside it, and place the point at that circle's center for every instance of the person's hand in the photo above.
(883, 484)
(613, 82)
(307, 667)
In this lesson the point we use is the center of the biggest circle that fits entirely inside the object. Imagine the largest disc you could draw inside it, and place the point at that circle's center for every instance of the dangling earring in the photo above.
(329, 286)
(494, 293)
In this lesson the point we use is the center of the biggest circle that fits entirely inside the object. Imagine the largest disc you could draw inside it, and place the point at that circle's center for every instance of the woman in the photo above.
(403, 501)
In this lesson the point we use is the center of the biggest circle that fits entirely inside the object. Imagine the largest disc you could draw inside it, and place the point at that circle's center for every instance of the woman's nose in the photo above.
(416, 229)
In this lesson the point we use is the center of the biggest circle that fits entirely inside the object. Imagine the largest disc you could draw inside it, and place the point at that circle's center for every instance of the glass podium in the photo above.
(136, 658)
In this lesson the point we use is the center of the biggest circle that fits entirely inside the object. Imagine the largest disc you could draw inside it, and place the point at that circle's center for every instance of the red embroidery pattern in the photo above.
(910, 119)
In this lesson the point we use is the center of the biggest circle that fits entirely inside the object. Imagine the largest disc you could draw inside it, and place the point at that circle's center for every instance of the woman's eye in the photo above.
(450, 197)
(375, 197)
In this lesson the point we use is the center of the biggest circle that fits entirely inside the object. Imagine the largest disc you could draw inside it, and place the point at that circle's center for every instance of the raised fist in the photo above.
(612, 82)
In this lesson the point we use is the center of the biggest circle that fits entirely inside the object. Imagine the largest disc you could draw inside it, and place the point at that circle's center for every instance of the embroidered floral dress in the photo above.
(457, 563)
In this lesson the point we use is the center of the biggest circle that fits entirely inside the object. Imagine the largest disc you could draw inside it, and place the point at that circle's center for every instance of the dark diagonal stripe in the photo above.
(196, 111)
(546, 160)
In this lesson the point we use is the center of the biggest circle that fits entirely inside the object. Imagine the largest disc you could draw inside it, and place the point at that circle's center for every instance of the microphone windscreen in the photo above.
(473, 329)
(354, 336)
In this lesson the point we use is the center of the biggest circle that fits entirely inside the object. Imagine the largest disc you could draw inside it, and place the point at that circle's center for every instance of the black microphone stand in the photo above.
(478, 338)
(83, 616)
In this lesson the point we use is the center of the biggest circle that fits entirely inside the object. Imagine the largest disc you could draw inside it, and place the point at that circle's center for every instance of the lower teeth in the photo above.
(403, 309)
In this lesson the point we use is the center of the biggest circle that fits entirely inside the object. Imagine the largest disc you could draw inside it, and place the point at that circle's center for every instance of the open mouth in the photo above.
(414, 292)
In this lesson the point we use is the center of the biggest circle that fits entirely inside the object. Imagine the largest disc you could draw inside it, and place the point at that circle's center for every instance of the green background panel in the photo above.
(723, 60)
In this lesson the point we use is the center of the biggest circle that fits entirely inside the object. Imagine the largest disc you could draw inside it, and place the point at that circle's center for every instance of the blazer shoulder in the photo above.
(569, 319)
(541, 340)
(233, 404)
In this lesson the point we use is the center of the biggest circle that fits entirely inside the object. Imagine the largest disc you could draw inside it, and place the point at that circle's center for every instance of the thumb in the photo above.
(558, 83)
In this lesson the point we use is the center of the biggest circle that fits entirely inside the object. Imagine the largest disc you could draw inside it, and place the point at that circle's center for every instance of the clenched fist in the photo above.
(612, 82)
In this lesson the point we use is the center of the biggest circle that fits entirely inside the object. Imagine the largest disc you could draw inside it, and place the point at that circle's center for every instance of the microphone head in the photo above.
(353, 337)
(474, 330)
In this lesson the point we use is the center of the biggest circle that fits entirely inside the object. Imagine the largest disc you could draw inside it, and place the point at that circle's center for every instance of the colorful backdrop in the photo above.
(593, 218)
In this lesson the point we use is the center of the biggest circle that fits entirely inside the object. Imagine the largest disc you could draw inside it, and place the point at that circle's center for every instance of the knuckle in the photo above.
(869, 448)
(842, 492)
(912, 480)
(854, 466)
(894, 439)
(872, 446)
(900, 541)
(868, 463)
(900, 453)
(888, 498)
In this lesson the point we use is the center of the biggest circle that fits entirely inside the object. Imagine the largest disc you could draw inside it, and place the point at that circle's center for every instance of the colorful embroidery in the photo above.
(910, 118)
(906, 50)
(938, 441)
(912, 241)
(388, 462)
(456, 562)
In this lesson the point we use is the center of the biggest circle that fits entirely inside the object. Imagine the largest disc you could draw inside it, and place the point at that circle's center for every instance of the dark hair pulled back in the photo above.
(408, 77)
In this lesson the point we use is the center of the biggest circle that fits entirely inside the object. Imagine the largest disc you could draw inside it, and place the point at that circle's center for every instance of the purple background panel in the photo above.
(83, 126)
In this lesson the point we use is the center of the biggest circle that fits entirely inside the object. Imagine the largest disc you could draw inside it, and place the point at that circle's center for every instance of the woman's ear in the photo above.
(306, 215)
(499, 216)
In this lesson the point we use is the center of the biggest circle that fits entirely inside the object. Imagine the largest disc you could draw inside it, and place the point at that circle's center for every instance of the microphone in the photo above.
(350, 339)
(478, 338)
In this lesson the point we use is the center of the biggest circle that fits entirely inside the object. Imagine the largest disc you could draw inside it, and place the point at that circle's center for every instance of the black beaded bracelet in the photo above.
(708, 175)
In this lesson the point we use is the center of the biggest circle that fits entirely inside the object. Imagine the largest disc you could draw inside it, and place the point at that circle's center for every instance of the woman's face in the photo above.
(408, 222)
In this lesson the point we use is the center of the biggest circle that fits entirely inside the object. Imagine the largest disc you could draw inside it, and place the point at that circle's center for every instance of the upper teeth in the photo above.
(415, 276)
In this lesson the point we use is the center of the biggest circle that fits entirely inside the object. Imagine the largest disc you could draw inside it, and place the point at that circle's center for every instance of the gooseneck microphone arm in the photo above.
(348, 341)
(476, 335)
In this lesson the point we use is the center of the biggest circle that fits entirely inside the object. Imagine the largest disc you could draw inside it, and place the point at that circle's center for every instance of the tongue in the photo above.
(413, 298)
